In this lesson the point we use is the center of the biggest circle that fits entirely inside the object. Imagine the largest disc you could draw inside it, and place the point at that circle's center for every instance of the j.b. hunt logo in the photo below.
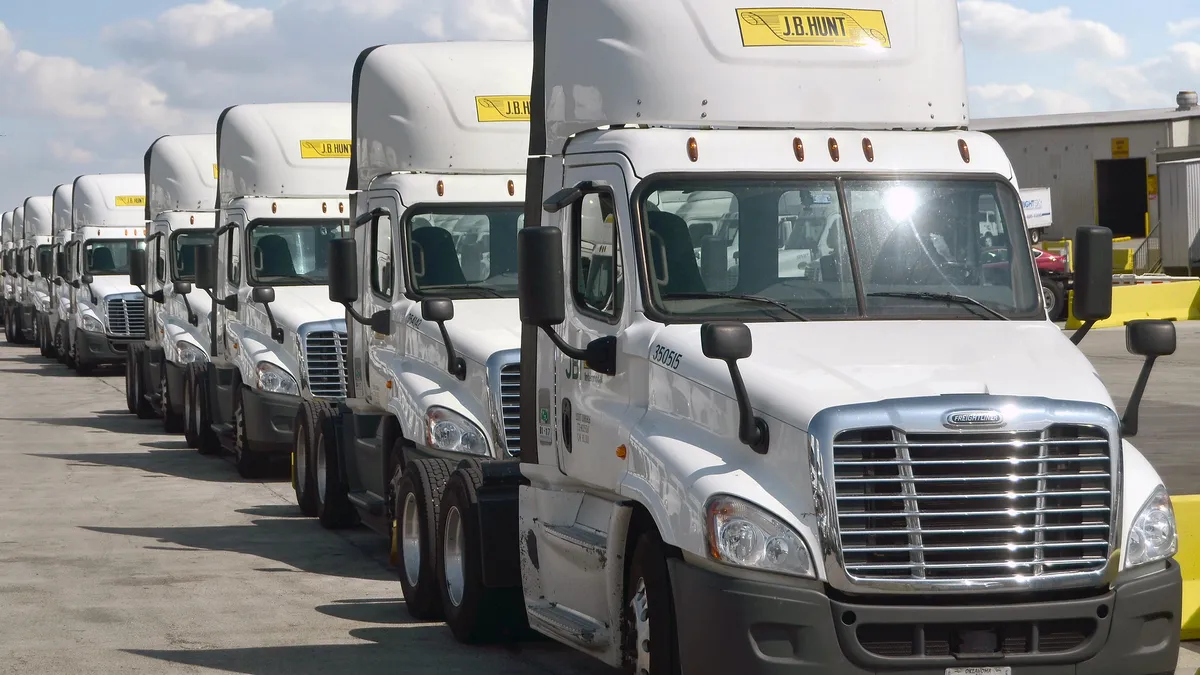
(959, 419)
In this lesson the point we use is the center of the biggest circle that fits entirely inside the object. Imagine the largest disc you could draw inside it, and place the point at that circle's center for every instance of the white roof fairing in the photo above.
(39, 217)
(877, 64)
(283, 149)
(181, 174)
(19, 224)
(109, 200)
(445, 107)
(62, 207)
(6, 228)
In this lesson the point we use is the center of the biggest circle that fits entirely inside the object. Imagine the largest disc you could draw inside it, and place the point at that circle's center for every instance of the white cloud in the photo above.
(1183, 27)
(1005, 100)
(1003, 26)
(69, 152)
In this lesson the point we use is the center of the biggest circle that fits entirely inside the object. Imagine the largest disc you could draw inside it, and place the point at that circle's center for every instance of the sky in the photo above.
(87, 85)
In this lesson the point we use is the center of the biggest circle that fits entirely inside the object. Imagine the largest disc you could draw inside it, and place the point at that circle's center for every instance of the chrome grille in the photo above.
(127, 316)
(973, 506)
(510, 406)
(325, 364)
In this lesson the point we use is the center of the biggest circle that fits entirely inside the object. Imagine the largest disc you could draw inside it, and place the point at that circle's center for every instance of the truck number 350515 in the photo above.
(667, 357)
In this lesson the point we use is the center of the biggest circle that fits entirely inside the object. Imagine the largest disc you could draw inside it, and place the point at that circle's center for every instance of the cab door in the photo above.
(591, 407)
(225, 337)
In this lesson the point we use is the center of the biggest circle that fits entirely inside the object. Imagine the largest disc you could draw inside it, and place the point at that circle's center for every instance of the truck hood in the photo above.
(103, 286)
(797, 369)
(479, 328)
(295, 306)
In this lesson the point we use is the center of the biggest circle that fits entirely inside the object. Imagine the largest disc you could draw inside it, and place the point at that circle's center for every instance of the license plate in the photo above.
(988, 670)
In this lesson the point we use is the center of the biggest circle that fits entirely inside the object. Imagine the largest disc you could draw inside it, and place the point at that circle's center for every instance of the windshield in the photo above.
(183, 253)
(919, 249)
(109, 256)
(465, 252)
(45, 256)
(293, 252)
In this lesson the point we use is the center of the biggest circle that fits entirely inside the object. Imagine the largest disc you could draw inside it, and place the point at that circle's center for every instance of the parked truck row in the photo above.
(619, 341)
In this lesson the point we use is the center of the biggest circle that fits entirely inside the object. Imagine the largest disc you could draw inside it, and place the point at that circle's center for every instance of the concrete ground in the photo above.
(121, 550)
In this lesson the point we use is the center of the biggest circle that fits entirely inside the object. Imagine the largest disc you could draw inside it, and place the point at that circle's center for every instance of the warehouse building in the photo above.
(1126, 170)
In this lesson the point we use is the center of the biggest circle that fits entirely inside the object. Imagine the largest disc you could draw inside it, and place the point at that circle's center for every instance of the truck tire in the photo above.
(1055, 298)
(651, 644)
(476, 614)
(190, 426)
(207, 442)
(68, 358)
(172, 421)
(304, 480)
(250, 465)
(45, 344)
(418, 501)
(145, 411)
(81, 367)
(131, 394)
(334, 510)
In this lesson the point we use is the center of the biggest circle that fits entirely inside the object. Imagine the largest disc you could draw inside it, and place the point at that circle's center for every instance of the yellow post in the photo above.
(1147, 224)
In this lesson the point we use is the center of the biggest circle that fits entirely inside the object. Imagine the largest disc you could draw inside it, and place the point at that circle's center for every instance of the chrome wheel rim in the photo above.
(639, 605)
(166, 393)
(410, 540)
(301, 459)
(1048, 298)
(453, 555)
(322, 468)
(239, 428)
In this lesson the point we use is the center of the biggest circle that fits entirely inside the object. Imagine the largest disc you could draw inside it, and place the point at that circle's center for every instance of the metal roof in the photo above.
(1083, 119)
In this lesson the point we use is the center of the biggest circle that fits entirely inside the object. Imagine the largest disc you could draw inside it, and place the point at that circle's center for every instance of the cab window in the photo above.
(382, 271)
(598, 283)
(235, 256)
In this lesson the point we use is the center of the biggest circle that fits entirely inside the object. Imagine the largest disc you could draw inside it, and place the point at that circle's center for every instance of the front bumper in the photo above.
(269, 420)
(728, 625)
(98, 348)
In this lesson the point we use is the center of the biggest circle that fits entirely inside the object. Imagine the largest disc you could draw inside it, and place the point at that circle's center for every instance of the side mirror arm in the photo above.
(276, 331)
(1129, 421)
(752, 431)
(600, 354)
(455, 364)
(364, 320)
(192, 318)
(1082, 331)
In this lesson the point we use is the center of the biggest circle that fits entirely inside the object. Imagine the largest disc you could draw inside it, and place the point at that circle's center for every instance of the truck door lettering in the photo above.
(666, 357)
(413, 320)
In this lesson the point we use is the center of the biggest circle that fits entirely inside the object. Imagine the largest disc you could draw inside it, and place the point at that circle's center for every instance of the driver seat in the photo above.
(275, 257)
(102, 261)
(672, 255)
(436, 258)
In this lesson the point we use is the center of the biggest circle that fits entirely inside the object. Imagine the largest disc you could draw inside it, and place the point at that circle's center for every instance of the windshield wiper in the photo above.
(489, 292)
(942, 297)
(735, 296)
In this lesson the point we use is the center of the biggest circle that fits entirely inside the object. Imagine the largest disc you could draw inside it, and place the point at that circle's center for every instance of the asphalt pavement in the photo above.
(121, 550)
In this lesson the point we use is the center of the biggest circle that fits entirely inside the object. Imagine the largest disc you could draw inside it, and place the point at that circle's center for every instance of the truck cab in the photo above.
(8, 266)
(276, 338)
(16, 288)
(181, 191)
(440, 137)
(38, 240)
(59, 311)
(108, 313)
(860, 472)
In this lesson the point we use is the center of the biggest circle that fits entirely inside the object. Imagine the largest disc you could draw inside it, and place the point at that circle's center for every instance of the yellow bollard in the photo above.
(394, 554)
(1187, 519)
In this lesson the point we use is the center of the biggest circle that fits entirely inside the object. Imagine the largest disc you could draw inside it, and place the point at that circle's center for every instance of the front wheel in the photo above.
(417, 506)
(172, 421)
(207, 442)
(651, 644)
(250, 465)
(144, 411)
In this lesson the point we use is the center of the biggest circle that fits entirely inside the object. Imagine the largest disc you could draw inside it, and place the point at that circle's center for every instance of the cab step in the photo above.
(568, 625)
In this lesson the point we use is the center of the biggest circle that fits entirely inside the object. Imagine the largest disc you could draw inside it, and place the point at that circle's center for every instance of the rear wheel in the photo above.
(1055, 298)
(334, 510)
(474, 612)
(418, 497)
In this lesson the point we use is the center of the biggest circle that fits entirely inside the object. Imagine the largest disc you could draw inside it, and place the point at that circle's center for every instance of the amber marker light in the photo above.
(441, 188)
(622, 452)
(512, 189)
(324, 207)
(274, 207)
(868, 150)
(798, 148)
(964, 151)
(834, 153)
(341, 207)
(693, 149)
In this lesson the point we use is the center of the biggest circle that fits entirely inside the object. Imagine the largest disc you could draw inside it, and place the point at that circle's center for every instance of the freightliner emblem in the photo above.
(960, 419)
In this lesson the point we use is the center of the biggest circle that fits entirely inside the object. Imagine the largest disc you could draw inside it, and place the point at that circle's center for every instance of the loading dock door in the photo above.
(1121, 196)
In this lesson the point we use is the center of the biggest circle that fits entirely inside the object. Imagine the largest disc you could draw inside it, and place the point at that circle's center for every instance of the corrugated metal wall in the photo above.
(1179, 206)
(1064, 158)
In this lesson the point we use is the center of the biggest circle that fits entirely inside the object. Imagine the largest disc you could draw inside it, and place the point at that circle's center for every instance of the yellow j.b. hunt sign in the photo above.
(130, 200)
(811, 27)
(502, 108)
(324, 149)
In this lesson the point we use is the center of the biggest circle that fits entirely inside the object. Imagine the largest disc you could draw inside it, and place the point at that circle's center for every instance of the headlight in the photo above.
(449, 431)
(276, 380)
(190, 353)
(1153, 535)
(744, 535)
(92, 324)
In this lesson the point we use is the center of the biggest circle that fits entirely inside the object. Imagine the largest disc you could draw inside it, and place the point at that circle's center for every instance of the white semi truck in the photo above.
(38, 229)
(861, 474)
(59, 313)
(108, 313)
(276, 338)
(9, 267)
(441, 132)
(181, 189)
(12, 308)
